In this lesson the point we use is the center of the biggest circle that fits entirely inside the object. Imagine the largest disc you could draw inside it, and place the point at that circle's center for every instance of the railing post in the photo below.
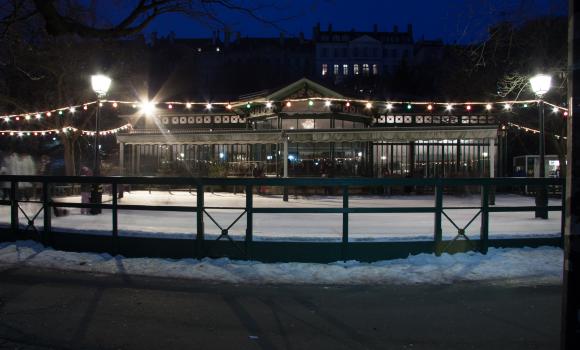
(46, 204)
(344, 222)
(438, 214)
(484, 233)
(285, 165)
(14, 208)
(563, 216)
(200, 226)
(249, 219)
(115, 247)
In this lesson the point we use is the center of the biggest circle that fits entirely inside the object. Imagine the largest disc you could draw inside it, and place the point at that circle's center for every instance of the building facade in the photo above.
(229, 64)
(306, 129)
(344, 54)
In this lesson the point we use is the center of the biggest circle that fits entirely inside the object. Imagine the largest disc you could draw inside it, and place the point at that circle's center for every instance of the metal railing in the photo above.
(245, 249)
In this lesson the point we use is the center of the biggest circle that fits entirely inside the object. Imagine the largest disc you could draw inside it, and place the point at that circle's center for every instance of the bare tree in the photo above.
(48, 46)
(70, 17)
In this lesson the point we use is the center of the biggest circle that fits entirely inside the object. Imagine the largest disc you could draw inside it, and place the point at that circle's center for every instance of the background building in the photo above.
(228, 64)
(341, 55)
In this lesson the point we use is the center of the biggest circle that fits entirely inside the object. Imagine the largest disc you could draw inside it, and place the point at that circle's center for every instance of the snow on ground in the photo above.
(301, 227)
(511, 266)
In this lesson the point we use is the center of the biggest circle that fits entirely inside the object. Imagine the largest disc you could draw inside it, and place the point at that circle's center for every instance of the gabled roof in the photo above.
(287, 91)
(365, 39)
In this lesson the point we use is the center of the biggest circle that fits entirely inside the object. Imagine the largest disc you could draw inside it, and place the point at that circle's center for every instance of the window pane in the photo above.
(322, 123)
(289, 124)
(365, 69)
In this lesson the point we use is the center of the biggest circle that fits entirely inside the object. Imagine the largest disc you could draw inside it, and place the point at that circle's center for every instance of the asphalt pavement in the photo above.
(49, 309)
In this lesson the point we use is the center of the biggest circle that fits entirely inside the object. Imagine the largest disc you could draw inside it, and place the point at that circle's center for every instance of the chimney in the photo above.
(281, 39)
(227, 35)
(301, 38)
(238, 37)
(316, 31)
(329, 27)
(410, 29)
(375, 28)
(395, 29)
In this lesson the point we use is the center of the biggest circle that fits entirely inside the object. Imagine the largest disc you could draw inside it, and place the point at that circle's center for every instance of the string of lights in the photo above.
(557, 109)
(534, 131)
(149, 106)
(47, 113)
(62, 130)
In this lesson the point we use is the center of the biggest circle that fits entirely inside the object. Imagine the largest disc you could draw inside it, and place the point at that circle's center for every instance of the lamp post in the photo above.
(100, 84)
(541, 84)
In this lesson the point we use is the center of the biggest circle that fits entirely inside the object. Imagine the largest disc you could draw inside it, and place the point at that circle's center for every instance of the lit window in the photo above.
(345, 69)
(375, 69)
(355, 69)
(335, 70)
(324, 69)
(365, 69)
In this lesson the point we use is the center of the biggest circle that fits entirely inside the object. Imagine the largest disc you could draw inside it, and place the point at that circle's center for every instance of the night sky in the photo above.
(460, 21)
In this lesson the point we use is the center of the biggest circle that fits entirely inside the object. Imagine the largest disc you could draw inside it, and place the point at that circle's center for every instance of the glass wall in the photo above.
(203, 160)
(423, 158)
(432, 158)
(344, 159)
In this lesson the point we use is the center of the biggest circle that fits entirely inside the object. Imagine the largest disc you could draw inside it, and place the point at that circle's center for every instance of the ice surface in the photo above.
(301, 227)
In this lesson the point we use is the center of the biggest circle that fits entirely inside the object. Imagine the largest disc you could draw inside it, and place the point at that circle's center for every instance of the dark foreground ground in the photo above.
(42, 309)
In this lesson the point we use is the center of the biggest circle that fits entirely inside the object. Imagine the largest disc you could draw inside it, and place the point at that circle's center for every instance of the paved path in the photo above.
(41, 309)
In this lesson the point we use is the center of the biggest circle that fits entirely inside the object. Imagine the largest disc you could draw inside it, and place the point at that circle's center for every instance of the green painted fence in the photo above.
(225, 246)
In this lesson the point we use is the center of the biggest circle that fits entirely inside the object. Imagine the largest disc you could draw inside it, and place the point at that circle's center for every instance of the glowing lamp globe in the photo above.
(101, 84)
(541, 84)
(148, 108)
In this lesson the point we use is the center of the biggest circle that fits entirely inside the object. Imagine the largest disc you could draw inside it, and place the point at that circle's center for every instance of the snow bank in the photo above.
(522, 265)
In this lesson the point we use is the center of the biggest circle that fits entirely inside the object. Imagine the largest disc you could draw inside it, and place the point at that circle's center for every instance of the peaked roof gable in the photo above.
(303, 88)
(365, 39)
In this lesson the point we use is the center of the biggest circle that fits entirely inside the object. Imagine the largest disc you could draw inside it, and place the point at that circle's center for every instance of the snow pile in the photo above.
(522, 265)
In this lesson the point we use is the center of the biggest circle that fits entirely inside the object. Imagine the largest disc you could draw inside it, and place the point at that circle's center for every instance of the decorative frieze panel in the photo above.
(434, 119)
(201, 119)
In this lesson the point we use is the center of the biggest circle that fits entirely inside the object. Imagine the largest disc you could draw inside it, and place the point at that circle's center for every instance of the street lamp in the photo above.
(541, 84)
(100, 84)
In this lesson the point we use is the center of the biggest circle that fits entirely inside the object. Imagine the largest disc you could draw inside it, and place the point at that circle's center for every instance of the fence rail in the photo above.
(225, 245)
